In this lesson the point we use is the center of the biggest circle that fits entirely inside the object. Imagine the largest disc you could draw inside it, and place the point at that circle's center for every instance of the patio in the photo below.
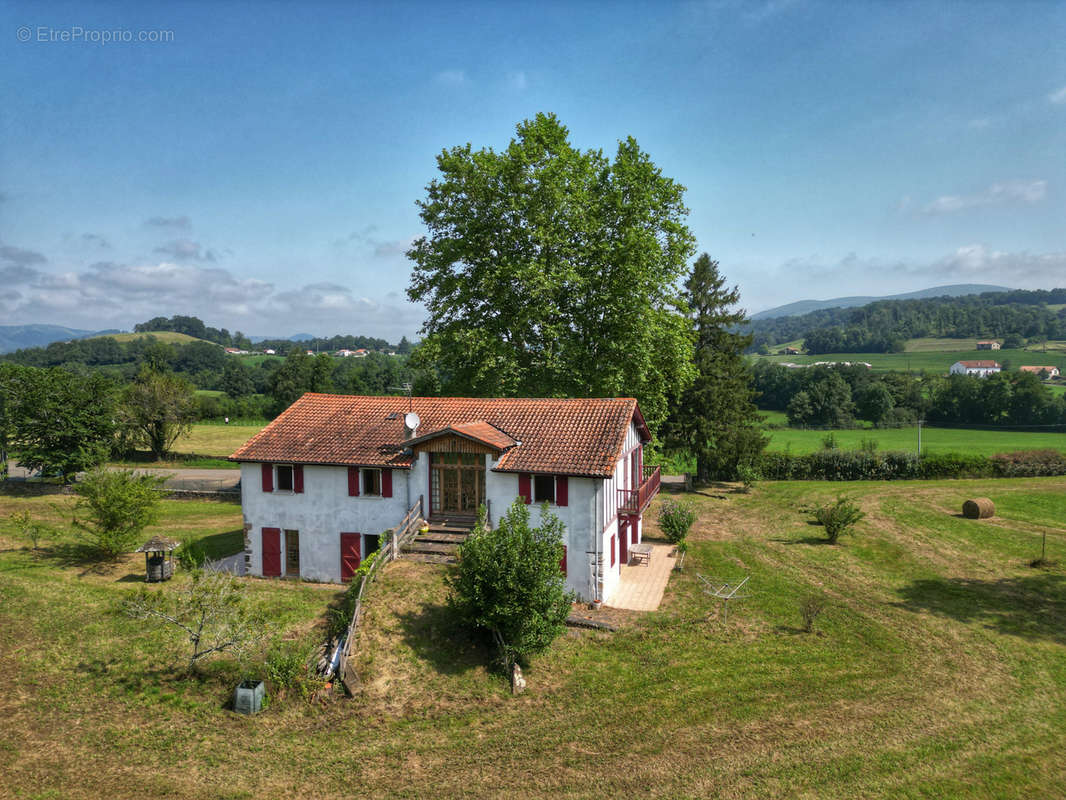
(641, 586)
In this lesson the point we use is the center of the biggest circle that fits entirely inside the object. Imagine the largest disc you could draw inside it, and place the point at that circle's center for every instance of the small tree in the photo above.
(509, 582)
(211, 609)
(675, 518)
(749, 474)
(114, 506)
(838, 517)
(28, 528)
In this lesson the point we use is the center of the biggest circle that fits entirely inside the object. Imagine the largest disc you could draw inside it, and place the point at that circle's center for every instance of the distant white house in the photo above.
(981, 369)
(990, 345)
(269, 352)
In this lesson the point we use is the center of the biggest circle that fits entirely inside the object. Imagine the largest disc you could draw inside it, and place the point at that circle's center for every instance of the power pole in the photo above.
(920, 436)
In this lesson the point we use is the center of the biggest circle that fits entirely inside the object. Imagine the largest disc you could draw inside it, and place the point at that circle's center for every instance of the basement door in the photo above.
(623, 540)
(350, 555)
(271, 552)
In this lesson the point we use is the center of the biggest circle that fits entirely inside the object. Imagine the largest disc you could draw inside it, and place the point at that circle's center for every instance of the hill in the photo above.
(18, 337)
(807, 306)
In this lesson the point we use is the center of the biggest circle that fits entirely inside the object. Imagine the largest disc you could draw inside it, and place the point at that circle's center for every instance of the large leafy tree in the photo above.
(551, 271)
(157, 408)
(55, 421)
(717, 418)
(300, 373)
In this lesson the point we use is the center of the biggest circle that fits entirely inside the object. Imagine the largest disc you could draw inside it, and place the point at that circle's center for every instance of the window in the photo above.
(292, 553)
(285, 477)
(372, 481)
(544, 488)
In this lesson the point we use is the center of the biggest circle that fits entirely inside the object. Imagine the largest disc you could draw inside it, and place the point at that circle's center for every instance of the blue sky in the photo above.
(260, 169)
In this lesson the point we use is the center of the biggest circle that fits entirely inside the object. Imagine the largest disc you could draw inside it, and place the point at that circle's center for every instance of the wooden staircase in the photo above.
(441, 542)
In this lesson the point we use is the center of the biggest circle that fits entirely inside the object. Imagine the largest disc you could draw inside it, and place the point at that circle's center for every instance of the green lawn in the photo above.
(170, 337)
(937, 360)
(934, 440)
(938, 669)
(206, 446)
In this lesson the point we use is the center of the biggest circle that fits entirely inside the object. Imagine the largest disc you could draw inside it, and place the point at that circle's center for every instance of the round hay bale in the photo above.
(978, 508)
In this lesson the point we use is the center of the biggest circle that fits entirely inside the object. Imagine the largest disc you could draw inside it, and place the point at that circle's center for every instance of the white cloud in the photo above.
(113, 295)
(1058, 97)
(998, 194)
(451, 77)
(182, 223)
(186, 250)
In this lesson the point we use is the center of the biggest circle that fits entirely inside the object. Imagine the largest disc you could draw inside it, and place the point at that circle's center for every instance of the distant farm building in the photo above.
(988, 345)
(1052, 372)
(981, 369)
(792, 351)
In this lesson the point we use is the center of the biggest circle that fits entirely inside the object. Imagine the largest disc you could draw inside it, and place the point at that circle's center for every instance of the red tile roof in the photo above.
(571, 437)
(1037, 370)
(478, 431)
(979, 364)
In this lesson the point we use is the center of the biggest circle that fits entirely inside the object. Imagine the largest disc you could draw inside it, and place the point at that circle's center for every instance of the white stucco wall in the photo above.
(324, 510)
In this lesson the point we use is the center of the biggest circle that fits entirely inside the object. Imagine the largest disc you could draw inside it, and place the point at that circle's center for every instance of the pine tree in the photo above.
(717, 418)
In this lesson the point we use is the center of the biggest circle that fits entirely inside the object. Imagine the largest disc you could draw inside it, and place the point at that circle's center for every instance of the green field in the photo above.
(170, 337)
(937, 670)
(934, 440)
(933, 355)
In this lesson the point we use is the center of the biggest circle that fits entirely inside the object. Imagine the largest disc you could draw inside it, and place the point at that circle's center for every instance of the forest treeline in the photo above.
(885, 325)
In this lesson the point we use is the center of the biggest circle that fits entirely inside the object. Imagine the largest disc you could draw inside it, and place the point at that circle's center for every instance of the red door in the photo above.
(623, 540)
(272, 552)
(350, 559)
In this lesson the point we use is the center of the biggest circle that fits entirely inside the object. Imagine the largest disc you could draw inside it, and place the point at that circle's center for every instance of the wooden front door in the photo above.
(623, 540)
(457, 483)
(271, 552)
(350, 555)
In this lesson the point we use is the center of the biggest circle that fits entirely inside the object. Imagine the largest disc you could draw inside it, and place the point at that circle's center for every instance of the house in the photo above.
(345, 352)
(792, 351)
(1052, 372)
(332, 472)
(981, 369)
(270, 352)
(988, 345)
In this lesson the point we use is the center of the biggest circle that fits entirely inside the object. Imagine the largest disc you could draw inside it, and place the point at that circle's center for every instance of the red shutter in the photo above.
(350, 544)
(524, 489)
(298, 478)
(562, 490)
(268, 477)
(562, 564)
(612, 549)
(353, 482)
(272, 552)
(386, 483)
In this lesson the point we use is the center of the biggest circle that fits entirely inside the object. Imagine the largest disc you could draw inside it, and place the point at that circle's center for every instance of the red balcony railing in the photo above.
(634, 501)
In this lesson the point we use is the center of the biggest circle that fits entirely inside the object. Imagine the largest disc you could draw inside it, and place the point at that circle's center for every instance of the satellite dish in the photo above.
(411, 420)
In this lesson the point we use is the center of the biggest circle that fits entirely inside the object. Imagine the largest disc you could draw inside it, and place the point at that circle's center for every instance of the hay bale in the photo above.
(978, 508)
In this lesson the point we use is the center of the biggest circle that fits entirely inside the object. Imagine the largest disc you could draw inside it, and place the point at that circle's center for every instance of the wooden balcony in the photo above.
(634, 501)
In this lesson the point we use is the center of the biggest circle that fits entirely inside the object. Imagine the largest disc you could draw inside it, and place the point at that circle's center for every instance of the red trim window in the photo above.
(372, 482)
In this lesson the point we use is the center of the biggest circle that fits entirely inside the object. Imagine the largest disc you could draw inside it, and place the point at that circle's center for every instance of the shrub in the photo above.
(675, 518)
(838, 517)
(191, 556)
(867, 445)
(748, 475)
(509, 582)
(28, 528)
(1029, 463)
(116, 506)
(810, 607)
(289, 666)
(829, 441)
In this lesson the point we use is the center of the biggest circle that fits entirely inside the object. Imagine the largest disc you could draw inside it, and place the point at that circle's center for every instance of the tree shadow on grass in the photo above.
(437, 636)
(1033, 606)
(77, 554)
(221, 545)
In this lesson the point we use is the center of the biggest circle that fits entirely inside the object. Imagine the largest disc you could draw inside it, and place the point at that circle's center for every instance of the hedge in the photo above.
(849, 465)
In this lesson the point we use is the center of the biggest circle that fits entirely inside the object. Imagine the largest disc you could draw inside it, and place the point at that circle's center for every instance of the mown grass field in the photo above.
(938, 670)
(206, 446)
(934, 440)
(170, 337)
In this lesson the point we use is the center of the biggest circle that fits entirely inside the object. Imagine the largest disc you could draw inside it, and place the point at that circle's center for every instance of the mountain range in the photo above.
(806, 306)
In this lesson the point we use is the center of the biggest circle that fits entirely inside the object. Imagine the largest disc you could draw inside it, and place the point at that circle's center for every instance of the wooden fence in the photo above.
(388, 551)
